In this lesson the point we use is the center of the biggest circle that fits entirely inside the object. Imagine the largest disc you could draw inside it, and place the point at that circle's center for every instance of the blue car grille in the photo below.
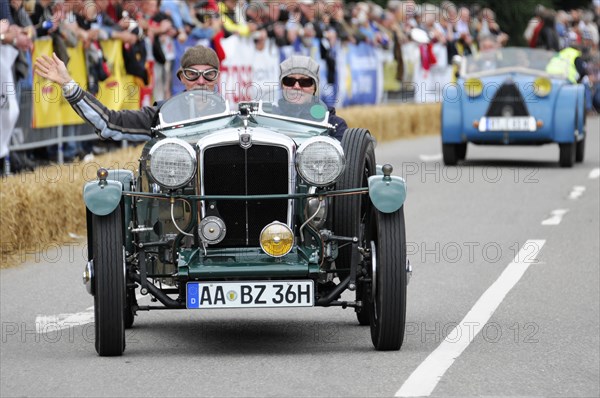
(258, 170)
(507, 101)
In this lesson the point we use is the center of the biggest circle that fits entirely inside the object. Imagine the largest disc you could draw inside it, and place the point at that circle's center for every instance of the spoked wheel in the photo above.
(388, 280)
(109, 276)
(350, 211)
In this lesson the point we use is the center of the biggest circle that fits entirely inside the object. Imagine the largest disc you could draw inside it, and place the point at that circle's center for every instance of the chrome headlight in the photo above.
(320, 161)
(172, 163)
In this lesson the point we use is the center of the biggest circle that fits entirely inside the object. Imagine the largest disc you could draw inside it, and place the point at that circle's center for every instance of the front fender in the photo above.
(387, 193)
(452, 120)
(565, 113)
(102, 198)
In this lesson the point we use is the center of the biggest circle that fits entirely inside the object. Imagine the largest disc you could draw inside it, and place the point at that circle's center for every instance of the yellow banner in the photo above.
(50, 109)
(120, 91)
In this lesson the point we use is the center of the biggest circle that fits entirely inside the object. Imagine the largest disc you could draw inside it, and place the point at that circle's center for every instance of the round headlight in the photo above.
(276, 239)
(542, 86)
(172, 163)
(473, 87)
(320, 160)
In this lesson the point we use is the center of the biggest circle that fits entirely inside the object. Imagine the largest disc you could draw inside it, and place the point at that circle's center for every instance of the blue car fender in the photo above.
(387, 193)
(565, 113)
(452, 128)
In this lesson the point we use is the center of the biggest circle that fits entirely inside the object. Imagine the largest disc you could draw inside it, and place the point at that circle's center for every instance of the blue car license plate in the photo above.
(249, 294)
(517, 123)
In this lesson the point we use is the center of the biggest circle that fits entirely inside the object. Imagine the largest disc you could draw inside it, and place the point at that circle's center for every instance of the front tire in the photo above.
(580, 150)
(567, 154)
(350, 211)
(109, 275)
(450, 154)
(388, 309)
(461, 151)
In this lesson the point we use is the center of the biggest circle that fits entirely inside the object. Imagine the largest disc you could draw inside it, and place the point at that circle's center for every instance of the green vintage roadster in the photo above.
(250, 207)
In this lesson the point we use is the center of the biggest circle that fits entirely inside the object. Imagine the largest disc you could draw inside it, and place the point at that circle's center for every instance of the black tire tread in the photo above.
(358, 145)
(109, 299)
(580, 150)
(358, 149)
(387, 331)
(450, 154)
(567, 154)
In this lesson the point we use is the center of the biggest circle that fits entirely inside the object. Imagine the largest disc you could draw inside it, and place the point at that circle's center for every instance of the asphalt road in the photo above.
(505, 212)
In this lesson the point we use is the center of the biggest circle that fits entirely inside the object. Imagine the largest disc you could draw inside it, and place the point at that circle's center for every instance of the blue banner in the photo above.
(361, 85)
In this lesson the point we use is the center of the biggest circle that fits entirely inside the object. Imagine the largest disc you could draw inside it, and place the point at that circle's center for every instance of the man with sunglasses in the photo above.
(199, 69)
(299, 80)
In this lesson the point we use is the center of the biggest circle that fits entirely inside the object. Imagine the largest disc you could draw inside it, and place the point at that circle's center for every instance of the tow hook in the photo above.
(88, 277)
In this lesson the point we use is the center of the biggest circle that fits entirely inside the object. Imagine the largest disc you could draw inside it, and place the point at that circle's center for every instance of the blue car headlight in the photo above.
(542, 87)
(473, 87)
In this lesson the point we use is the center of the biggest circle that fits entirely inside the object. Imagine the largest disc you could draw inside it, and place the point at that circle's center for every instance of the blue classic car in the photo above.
(509, 97)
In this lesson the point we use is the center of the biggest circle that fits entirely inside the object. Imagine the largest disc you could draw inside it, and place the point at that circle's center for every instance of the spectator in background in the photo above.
(398, 36)
(234, 20)
(160, 34)
(562, 28)
(462, 29)
(489, 26)
(13, 38)
(591, 28)
(534, 26)
(548, 38)
(448, 17)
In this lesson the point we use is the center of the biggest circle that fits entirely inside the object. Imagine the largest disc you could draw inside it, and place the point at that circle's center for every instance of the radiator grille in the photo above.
(508, 97)
(258, 170)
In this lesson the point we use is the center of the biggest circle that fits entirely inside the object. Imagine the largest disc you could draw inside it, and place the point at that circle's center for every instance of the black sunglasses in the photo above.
(303, 81)
(193, 74)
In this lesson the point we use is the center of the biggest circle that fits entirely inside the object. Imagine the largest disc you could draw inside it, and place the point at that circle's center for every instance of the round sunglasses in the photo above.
(209, 75)
(303, 81)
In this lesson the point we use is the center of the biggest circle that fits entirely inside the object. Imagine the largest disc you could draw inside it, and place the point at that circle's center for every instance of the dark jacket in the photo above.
(290, 109)
(109, 124)
(339, 123)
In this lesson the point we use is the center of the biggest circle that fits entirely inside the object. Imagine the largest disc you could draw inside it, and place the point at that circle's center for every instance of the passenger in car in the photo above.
(301, 74)
(199, 69)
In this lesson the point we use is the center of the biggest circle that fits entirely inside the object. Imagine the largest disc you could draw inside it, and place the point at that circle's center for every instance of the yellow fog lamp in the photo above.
(276, 239)
(542, 86)
(473, 87)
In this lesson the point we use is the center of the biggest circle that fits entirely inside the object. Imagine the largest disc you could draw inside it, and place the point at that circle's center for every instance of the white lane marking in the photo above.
(555, 217)
(595, 173)
(426, 376)
(576, 192)
(51, 323)
(431, 158)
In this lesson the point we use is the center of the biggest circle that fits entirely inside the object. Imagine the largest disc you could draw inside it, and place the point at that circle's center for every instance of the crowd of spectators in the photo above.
(150, 28)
